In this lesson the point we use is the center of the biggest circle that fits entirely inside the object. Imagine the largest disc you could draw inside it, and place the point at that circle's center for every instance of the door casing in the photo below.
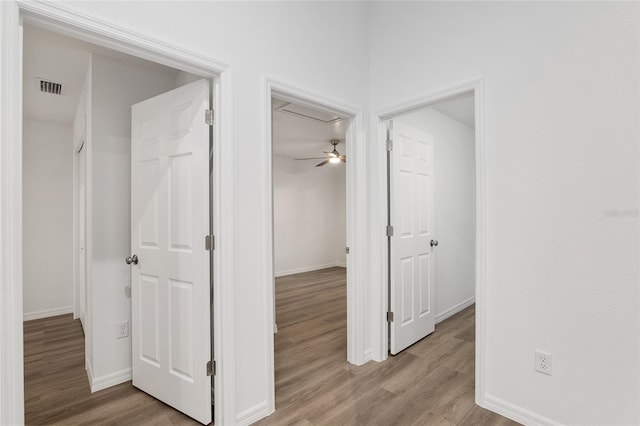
(79, 222)
(356, 230)
(58, 18)
(379, 245)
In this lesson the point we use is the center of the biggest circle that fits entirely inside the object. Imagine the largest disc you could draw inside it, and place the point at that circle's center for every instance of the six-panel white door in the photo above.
(169, 220)
(411, 215)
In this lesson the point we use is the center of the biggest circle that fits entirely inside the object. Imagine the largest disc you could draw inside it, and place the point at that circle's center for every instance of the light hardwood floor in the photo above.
(430, 383)
(57, 389)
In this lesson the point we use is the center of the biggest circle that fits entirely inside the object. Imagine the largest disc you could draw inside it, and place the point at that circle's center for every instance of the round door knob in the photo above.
(132, 259)
(434, 243)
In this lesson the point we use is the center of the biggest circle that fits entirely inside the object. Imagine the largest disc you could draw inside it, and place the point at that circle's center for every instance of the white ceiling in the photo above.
(460, 108)
(63, 60)
(296, 136)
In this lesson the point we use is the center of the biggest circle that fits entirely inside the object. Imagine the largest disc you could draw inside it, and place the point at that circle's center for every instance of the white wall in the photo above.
(115, 86)
(47, 205)
(308, 216)
(454, 208)
(562, 131)
(293, 42)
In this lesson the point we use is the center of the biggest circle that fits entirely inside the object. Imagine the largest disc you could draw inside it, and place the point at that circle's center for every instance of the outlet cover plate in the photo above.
(543, 362)
(122, 330)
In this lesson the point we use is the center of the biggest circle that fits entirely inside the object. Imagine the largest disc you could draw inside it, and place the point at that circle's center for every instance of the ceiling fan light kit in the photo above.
(332, 157)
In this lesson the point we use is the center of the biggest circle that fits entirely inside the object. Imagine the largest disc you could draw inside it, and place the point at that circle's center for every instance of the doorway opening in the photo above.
(338, 131)
(79, 181)
(435, 219)
(309, 169)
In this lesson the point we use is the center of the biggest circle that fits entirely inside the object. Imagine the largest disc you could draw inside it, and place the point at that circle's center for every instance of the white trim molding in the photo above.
(89, 369)
(61, 19)
(379, 250)
(11, 357)
(108, 380)
(47, 313)
(304, 269)
(516, 413)
(223, 256)
(458, 307)
(356, 208)
(252, 414)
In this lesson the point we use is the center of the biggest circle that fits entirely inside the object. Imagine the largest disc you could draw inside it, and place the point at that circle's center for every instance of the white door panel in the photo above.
(411, 210)
(169, 221)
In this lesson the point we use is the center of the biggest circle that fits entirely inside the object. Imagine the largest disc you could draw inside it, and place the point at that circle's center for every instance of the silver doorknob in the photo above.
(132, 259)
(434, 243)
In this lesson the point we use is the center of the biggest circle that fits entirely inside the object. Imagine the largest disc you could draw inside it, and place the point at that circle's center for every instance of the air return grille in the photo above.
(47, 86)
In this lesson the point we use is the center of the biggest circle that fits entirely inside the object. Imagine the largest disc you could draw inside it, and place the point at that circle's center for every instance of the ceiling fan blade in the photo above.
(310, 158)
(343, 159)
(322, 164)
(330, 154)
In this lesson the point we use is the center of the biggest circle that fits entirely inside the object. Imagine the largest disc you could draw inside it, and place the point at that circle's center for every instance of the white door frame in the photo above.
(379, 245)
(63, 20)
(79, 144)
(356, 208)
(79, 293)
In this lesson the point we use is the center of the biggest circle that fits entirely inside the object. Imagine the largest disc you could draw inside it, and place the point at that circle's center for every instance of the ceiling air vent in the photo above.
(305, 112)
(47, 86)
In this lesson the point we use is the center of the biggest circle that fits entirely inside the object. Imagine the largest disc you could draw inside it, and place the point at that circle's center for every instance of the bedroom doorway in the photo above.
(316, 140)
(309, 166)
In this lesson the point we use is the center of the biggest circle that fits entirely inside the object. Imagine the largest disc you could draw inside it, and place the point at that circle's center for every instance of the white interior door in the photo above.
(411, 215)
(171, 330)
(82, 254)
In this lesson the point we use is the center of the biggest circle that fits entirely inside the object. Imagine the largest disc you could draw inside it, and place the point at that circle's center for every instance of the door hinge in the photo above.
(347, 250)
(389, 316)
(210, 242)
(211, 368)
(389, 231)
(208, 117)
(389, 145)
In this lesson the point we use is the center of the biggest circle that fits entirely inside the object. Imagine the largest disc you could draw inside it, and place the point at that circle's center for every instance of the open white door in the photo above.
(169, 221)
(411, 215)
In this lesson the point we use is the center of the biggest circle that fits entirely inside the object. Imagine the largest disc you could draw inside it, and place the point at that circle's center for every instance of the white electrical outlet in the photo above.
(543, 362)
(122, 330)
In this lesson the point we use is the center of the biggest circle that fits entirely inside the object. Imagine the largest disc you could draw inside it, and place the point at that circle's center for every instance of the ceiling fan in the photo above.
(332, 157)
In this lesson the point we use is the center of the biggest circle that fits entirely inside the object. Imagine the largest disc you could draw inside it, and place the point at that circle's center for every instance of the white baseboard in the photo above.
(253, 414)
(455, 309)
(108, 380)
(46, 313)
(309, 269)
(89, 368)
(368, 356)
(516, 413)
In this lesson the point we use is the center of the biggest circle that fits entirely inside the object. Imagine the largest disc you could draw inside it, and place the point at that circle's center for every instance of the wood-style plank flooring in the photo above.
(431, 383)
(57, 389)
